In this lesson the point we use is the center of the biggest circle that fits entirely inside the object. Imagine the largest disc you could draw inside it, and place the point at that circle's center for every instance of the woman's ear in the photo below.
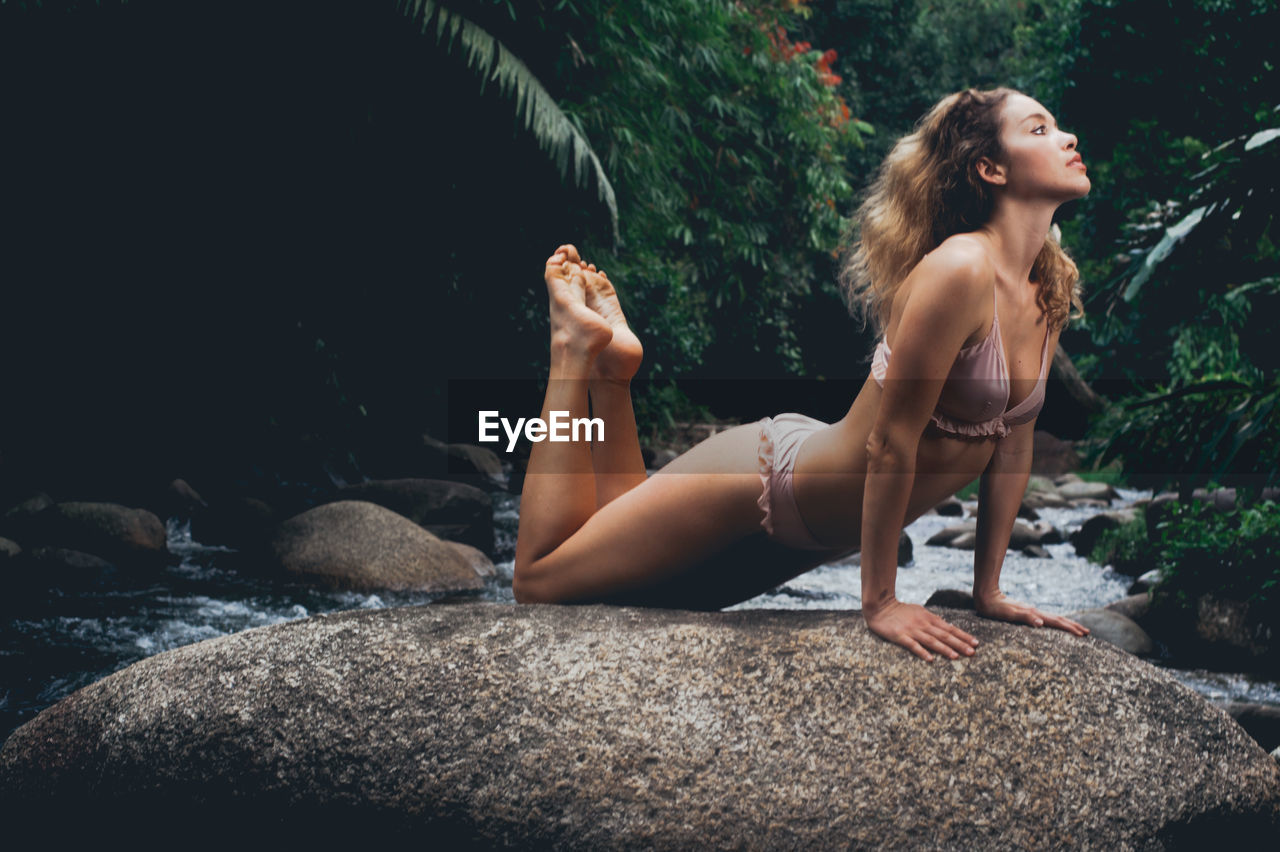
(990, 171)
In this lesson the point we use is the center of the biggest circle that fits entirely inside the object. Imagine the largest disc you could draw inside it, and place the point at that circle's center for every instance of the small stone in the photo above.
(1116, 628)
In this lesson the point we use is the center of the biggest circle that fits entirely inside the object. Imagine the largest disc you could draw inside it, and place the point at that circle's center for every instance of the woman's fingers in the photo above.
(956, 639)
(1064, 623)
(1036, 618)
(952, 643)
(937, 644)
(954, 631)
(938, 638)
(917, 649)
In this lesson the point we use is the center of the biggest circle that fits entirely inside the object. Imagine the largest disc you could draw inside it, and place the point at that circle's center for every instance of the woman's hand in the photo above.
(999, 607)
(916, 629)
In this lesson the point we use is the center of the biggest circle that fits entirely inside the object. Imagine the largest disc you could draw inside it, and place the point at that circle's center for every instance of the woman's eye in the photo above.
(1039, 127)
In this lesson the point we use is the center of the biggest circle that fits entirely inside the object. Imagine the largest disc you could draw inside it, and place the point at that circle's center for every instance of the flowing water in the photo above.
(56, 642)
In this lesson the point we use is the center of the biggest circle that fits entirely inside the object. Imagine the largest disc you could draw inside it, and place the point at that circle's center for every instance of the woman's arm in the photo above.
(948, 287)
(1000, 492)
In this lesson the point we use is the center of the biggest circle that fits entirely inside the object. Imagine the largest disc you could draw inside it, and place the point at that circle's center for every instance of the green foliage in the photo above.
(728, 157)
(491, 60)
(902, 57)
(1214, 417)
(1199, 550)
(1148, 88)
(1233, 554)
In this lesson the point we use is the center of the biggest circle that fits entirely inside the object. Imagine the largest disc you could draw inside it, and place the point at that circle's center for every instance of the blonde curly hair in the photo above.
(928, 189)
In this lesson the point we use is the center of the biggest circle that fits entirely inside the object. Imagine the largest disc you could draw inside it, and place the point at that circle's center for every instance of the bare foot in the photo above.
(620, 360)
(572, 322)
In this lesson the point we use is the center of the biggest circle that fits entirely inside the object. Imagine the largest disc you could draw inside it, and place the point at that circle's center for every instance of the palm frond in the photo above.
(490, 58)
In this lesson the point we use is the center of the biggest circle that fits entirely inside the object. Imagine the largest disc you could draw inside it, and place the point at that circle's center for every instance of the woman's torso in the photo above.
(831, 465)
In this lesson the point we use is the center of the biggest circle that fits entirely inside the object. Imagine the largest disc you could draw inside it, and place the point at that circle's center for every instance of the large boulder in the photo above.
(352, 544)
(482, 725)
(451, 510)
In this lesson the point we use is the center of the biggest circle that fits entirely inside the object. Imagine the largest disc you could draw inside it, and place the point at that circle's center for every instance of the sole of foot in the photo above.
(573, 324)
(620, 360)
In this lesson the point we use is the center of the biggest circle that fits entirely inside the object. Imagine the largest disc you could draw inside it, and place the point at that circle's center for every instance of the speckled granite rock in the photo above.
(483, 725)
(352, 544)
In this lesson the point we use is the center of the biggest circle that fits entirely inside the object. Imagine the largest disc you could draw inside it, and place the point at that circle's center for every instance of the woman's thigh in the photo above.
(750, 566)
(681, 517)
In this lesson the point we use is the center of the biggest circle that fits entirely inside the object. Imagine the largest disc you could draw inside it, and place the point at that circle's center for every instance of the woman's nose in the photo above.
(1071, 140)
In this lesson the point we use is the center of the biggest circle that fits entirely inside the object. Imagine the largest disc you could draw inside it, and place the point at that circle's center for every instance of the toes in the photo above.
(570, 252)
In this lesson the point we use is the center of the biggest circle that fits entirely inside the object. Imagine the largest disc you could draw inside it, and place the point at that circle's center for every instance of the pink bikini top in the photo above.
(977, 385)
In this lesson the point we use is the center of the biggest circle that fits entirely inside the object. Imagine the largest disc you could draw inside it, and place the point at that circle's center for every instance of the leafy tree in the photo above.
(1149, 88)
(902, 57)
(727, 143)
(563, 140)
(1214, 418)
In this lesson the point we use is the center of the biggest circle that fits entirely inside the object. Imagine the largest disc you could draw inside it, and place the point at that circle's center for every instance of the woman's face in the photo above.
(1040, 158)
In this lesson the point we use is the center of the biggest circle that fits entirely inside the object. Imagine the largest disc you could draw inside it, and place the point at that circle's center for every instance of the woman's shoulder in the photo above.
(960, 261)
(963, 255)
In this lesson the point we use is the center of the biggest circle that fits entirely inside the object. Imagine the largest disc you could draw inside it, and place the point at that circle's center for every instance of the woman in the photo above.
(970, 293)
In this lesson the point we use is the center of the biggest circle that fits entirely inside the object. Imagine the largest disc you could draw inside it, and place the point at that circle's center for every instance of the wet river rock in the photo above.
(116, 533)
(480, 725)
(450, 510)
(353, 544)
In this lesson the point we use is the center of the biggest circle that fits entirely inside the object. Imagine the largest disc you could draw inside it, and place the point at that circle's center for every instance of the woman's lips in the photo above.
(1076, 161)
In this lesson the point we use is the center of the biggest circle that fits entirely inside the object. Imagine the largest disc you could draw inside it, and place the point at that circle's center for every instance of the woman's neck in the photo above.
(1017, 232)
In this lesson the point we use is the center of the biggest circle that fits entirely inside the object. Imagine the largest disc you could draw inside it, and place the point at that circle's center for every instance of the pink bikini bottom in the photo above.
(780, 440)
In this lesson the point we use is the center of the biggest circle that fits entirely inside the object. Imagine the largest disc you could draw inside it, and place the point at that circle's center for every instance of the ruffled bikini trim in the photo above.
(764, 465)
(996, 426)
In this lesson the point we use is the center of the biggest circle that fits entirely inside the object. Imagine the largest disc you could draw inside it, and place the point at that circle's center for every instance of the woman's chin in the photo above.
(1078, 191)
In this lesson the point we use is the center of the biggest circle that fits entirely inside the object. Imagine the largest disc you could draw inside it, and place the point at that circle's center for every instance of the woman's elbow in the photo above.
(524, 583)
(882, 447)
